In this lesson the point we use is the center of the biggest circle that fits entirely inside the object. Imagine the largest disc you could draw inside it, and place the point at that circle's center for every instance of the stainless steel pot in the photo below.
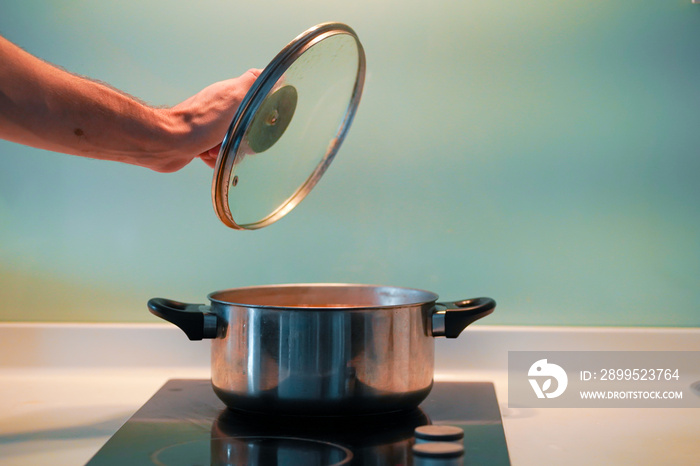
(322, 349)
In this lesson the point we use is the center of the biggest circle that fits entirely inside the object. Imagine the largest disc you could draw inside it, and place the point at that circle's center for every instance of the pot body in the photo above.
(315, 353)
(322, 349)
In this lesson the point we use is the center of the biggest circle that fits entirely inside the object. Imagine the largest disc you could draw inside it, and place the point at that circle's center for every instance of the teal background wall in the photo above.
(543, 153)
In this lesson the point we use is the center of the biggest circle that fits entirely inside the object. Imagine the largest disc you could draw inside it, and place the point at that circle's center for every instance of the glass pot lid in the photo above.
(289, 127)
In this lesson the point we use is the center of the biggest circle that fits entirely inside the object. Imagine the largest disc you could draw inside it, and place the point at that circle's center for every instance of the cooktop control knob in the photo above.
(438, 454)
(439, 433)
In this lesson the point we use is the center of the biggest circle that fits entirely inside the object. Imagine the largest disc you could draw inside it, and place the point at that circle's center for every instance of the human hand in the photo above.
(201, 121)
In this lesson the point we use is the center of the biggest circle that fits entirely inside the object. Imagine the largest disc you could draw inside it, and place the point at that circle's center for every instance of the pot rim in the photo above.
(401, 297)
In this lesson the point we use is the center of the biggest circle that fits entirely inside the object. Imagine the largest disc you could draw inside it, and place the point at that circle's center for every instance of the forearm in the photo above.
(48, 108)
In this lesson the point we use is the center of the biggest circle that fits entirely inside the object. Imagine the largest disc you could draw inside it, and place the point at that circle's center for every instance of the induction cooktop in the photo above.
(184, 423)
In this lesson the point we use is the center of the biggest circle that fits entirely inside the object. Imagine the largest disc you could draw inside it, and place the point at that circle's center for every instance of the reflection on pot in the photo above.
(318, 361)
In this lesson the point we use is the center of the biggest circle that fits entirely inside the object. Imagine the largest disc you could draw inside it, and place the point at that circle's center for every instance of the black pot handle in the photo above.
(449, 319)
(193, 319)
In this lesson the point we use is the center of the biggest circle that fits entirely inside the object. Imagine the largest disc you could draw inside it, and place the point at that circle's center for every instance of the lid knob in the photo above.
(272, 119)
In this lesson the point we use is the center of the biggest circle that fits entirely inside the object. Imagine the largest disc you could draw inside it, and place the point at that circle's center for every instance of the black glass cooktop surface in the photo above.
(184, 423)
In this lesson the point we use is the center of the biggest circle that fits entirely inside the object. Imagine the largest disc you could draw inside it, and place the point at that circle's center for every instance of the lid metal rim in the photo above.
(252, 102)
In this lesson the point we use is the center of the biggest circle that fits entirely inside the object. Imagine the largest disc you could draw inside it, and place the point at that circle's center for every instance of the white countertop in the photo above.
(66, 388)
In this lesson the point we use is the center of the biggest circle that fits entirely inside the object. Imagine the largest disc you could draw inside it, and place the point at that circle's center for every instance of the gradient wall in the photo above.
(543, 153)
